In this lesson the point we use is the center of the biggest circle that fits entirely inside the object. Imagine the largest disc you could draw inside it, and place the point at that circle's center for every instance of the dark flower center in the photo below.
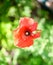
(27, 33)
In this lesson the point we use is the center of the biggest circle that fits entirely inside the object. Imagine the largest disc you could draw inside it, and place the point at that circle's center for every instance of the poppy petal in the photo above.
(34, 26)
(36, 35)
(24, 43)
(28, 22)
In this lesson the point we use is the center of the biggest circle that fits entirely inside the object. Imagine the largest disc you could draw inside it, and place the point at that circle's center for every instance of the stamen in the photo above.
(27, 33)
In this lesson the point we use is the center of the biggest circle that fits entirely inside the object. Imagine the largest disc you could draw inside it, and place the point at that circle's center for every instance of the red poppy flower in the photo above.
(24, 34)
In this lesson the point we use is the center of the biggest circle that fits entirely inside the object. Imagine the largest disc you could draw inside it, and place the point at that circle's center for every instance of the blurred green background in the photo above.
(41, 52)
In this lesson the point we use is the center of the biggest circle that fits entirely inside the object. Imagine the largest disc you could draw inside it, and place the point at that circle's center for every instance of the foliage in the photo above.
(41, 53)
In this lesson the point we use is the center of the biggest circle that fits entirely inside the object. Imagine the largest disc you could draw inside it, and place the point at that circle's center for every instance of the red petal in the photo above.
(36, 35)
(34, 26)
(24, 43)
(28, 22)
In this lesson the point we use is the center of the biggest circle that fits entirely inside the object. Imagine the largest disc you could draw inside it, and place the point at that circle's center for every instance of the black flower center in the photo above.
(27, 33)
